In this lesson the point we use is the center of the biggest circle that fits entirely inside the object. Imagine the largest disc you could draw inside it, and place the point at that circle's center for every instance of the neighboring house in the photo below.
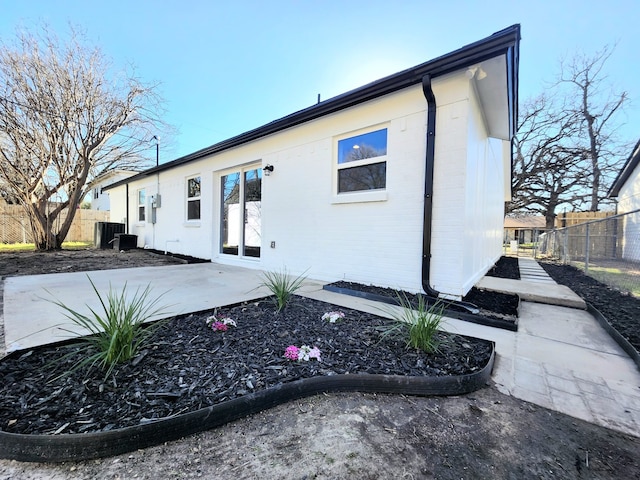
(626, 188)
(524, 229)
(98, 198)
(400, 183)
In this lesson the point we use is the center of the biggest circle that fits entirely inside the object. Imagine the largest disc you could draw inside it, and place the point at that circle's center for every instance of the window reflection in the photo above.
(360, 147)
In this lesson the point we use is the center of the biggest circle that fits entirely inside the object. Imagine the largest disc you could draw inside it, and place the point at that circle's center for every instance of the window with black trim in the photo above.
(142, 198)
(362, 164)
(193, 198)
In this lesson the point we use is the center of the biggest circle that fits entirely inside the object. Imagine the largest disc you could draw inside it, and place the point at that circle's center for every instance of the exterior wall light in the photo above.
(267, 170)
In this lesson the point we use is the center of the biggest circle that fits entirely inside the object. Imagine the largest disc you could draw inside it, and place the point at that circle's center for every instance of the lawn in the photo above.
(623, 279)
(30, 247)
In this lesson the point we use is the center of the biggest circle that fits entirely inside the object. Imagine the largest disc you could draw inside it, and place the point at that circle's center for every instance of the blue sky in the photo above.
(227, 67)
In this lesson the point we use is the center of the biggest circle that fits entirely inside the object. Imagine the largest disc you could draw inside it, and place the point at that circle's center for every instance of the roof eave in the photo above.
(626, 171)
(503, 42)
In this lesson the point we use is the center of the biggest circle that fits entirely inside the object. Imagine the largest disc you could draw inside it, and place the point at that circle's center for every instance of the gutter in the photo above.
(432, 294)
(127, 207)
(428, 186)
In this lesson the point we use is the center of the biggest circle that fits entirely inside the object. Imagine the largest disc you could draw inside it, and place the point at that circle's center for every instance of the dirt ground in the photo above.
(481, 435)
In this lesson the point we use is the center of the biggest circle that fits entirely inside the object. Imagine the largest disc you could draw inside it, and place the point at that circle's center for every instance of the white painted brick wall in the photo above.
(629, 200)
(370, 242)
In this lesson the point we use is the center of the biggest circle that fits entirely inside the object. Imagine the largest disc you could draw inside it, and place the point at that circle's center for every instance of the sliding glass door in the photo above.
(241, 218)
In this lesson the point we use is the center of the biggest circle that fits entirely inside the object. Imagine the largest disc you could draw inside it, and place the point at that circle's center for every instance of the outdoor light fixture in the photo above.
(267, 170)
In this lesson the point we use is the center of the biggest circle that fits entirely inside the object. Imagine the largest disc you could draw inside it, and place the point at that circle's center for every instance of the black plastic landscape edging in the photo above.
(467, 317)
(85, 446)
(619, 339)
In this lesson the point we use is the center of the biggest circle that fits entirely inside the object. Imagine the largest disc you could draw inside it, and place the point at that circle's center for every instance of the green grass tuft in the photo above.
(118, 332)
(417, 323)
(282, 286)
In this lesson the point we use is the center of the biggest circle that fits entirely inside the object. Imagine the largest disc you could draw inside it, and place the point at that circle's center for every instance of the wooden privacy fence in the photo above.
(15, 227)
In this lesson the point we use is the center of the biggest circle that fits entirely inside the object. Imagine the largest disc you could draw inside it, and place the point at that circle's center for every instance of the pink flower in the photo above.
(291, 352)
(220, 327)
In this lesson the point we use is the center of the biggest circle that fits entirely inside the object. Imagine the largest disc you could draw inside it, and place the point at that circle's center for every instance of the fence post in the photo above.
(586, 251)
(565, 246)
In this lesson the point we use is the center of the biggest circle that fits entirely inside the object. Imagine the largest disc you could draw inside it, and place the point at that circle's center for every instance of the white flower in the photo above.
(225, 321)
(306, 353)
(228, 321)
(333, 316)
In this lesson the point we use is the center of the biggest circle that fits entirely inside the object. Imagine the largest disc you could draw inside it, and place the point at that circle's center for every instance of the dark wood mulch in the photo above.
(66, 261)
(505, 267)
(189, 366)
(495, 305)
(621, 310)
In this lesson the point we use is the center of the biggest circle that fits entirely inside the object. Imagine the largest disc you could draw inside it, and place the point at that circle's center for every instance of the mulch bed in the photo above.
(492, 305)
(505, 267)
(621, 310)
(66, 261)
(189, 366)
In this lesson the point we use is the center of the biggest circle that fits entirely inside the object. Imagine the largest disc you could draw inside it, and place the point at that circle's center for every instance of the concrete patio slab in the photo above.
(541, 292)
(31, 319)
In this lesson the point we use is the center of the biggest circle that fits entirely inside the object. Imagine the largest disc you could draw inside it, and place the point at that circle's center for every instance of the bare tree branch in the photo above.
(566, 151)
(64, 120)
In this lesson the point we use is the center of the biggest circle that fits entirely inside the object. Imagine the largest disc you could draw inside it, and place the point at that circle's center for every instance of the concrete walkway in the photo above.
(31, 319)
(560, 358)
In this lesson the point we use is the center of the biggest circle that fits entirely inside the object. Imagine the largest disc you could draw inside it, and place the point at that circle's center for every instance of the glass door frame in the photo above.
(231, 227)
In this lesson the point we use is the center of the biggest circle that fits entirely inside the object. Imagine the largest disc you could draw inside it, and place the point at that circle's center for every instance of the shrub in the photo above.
(417, 323)
(118, 332)
(282, 286)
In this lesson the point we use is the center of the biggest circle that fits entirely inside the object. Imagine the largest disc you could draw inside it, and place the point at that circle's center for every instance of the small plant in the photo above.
(303, 353)
(220, 324)
(419, 323)
(333, 317)
(118, 332)
(282, 286)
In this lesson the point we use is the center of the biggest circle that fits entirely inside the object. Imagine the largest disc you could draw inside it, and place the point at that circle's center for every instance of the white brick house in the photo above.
(99, 199)
(626, 188)
(399, 183)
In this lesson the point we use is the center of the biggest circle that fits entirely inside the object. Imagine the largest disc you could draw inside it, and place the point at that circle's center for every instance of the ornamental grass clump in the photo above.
(418, 323)
(117, 331)
(282, 286)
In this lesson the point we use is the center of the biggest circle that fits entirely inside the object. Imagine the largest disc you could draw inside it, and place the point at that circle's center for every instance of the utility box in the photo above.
(105, 232)
(124, 241)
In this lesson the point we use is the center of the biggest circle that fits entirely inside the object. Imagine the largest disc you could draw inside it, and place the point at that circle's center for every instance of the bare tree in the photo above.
(595, 106)
(64, 120)
(566, 150)
(547, 171)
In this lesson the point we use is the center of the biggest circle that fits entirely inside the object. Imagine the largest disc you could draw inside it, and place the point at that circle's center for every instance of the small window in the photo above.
(193, 198)
(142, 198)
(96, 193)
(361, 162)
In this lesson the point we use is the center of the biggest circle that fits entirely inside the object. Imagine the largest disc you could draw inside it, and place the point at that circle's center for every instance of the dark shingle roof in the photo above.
(505, 42)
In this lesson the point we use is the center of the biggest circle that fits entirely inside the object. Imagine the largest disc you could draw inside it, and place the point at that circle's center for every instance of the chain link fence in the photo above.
(606, 249)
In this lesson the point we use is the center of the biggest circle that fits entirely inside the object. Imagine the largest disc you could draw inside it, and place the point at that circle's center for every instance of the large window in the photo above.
(193, 198)
(362, 162)
(142, 198)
